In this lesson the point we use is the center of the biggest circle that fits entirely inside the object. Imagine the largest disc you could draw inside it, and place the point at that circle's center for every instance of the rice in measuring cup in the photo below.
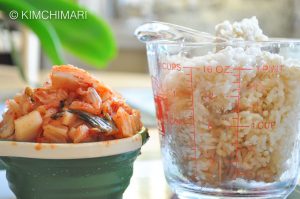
(249, 140)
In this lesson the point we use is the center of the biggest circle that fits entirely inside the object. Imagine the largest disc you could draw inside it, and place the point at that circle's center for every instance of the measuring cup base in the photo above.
(184, 193)
(201, 196)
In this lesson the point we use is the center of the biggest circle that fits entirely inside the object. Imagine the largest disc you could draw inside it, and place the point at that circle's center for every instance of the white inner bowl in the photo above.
(70, 150)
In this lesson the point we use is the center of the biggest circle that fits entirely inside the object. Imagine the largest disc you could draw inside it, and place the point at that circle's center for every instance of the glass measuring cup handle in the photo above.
(160, 31)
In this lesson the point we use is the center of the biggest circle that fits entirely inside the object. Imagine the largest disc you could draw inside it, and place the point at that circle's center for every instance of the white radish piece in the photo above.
(27, 127)
(56, 134)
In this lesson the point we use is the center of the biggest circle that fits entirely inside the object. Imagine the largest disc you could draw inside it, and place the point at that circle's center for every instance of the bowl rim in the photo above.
(34, 150)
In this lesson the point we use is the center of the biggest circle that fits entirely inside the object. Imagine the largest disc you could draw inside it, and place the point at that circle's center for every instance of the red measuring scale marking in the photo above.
(189, 72)
(160, 105)
(238, 82)
(193, 113)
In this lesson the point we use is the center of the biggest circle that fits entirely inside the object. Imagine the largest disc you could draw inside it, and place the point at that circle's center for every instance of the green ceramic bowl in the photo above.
(100, 170)
(1, 165)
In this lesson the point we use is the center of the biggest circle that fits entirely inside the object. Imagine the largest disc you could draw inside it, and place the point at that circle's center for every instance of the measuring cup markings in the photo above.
(257, 125)
(189, 73)
(270, 68)
(264, 125)
(230, 69)
(170, 66)
(217, 69)
(166, 119)
(238, 117)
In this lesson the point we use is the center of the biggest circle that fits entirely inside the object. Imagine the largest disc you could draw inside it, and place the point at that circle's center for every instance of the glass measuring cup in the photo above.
(227, 113)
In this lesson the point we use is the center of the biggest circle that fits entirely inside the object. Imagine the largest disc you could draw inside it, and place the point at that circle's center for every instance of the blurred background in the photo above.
(127, 71)
(279, 18)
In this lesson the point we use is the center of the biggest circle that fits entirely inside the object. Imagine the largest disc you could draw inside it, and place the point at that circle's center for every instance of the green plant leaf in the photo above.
(46, 34)
(89, 39)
